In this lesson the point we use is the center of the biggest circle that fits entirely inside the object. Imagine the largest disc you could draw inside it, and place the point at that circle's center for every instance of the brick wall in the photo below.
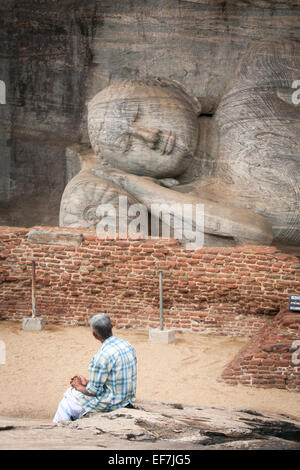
(271, 358)
(232, 291)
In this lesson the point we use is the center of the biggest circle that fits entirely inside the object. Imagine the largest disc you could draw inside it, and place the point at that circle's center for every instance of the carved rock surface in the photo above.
(58, 56)
(145, 127)
(82, 197)
(258, 162)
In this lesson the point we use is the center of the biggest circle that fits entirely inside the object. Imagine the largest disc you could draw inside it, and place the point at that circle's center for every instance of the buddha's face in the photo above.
(144, 129)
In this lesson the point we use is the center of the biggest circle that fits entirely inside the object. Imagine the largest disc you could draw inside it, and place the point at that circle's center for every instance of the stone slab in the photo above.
(51, 237)
(33, 323)
(161, 336)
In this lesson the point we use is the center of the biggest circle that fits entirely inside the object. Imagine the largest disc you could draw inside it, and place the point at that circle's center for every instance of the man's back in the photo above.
(113, 372)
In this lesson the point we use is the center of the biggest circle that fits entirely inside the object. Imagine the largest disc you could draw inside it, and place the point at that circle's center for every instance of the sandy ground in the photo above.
(39, 365)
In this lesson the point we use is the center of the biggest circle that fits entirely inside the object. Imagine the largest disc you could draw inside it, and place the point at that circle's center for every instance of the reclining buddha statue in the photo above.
(144, 136)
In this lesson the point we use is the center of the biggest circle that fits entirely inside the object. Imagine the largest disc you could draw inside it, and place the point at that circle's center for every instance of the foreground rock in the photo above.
(154, 425)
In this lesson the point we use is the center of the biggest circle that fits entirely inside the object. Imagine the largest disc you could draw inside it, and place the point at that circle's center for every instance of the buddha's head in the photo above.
(145, 127)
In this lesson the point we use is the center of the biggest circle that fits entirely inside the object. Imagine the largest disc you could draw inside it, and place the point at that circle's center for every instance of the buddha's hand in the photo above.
(110, 173)
(117, 176)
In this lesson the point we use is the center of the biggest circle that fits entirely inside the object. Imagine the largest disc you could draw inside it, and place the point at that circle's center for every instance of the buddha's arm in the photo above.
(241, 224)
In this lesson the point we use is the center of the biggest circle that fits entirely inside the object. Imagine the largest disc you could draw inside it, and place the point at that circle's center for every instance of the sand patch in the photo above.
(39, 365)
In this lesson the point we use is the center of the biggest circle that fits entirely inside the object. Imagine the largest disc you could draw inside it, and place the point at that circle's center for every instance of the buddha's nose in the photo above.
(149, 135)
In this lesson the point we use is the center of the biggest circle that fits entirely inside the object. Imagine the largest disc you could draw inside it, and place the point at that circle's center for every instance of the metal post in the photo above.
(33, 289)
(161, 308)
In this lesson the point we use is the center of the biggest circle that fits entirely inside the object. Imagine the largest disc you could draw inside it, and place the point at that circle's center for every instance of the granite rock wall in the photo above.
(44, 60)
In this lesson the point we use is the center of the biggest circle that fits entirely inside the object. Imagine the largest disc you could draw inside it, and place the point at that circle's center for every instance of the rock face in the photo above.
(154, 425)
(55, 55)
(44, 61)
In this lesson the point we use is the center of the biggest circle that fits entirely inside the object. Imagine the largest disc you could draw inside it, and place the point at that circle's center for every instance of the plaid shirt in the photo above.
(113, 373)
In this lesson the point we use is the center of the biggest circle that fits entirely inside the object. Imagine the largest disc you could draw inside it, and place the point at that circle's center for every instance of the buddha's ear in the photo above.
(184, 92)
(201, 104)
(289, 95)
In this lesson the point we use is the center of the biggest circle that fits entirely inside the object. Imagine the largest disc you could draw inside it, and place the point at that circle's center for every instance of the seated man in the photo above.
(112, 381)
